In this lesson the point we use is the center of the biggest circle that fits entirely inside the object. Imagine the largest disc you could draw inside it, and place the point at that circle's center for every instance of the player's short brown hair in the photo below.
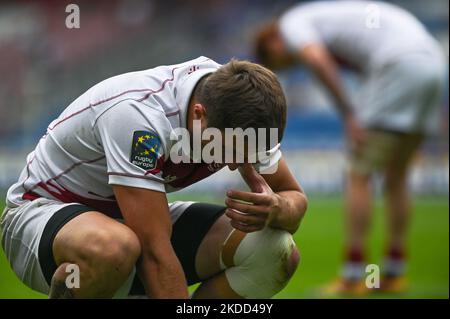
(243, 94)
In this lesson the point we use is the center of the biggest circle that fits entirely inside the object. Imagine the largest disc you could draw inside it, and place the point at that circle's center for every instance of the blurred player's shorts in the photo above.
(376, 152)
(404, 95)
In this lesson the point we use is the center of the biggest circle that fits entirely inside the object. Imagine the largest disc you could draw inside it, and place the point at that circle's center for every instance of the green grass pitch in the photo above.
(320, 242)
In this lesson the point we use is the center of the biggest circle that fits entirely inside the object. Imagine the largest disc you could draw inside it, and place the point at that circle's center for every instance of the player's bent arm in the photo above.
(319, 60)
(146, 212)
(317, 57)
(289, 197)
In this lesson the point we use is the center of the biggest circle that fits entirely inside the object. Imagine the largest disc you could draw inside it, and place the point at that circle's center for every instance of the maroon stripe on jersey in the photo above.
(70, 116)
(65, 171)
(162, 86)
(173, 113)
(30, 196)
(107, 207)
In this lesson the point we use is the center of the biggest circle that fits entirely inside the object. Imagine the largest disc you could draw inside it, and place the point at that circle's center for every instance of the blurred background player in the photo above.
(402, 72)
(45, 65)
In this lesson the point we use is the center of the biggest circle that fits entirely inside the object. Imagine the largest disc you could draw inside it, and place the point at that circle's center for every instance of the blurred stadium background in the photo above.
(44, 66)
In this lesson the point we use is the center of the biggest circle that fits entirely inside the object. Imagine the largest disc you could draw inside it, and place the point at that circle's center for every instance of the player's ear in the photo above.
(200, 112)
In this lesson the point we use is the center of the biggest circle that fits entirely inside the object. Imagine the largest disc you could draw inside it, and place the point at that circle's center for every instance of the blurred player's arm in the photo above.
(276, 200)
(146, 212)
(320, 61)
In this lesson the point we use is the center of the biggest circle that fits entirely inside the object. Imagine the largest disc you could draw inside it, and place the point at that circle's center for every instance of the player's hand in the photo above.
(356, 134)
(252, 211)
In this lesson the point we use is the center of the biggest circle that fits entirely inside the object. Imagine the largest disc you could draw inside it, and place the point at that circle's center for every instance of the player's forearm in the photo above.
(329, 76)
(162, 274)
(292, 208)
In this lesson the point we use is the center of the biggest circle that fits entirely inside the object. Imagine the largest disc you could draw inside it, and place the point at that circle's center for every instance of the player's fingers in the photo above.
(255, 198)
(247, 208)
(245, 218)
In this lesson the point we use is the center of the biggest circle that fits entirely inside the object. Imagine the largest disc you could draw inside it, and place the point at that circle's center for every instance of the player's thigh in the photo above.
(28, 233)
(93, 234)
(374, 154)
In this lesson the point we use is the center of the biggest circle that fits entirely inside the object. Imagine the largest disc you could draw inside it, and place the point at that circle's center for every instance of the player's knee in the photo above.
(263, 263)
(282, 251)
(289, 254)
(292, 262)
(116, 249)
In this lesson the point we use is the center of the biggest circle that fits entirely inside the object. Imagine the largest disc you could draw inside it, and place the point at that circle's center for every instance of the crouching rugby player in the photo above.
(93, 192)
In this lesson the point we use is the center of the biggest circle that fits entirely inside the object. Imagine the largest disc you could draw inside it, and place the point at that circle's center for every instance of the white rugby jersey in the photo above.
(360, 34)
(118, 132)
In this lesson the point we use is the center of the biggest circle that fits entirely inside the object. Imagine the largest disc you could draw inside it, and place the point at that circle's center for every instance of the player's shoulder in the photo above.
(201, 60)
(194, 69)
(141, 80)
(178, 68)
